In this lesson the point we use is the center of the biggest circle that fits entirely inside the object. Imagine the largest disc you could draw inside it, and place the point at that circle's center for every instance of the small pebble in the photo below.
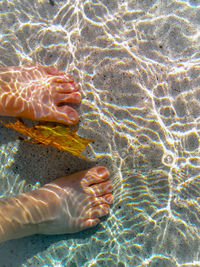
(51, 2)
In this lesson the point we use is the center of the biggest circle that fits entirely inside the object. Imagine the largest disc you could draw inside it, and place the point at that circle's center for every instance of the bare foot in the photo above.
(75, 202)
(38, 92)
(66, 205)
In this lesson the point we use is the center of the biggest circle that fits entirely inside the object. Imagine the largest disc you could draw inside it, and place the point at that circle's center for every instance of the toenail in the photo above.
(109, 199)
(106, 208)
(110, 189)
(101, 171)
(72, 115)
(78, 97)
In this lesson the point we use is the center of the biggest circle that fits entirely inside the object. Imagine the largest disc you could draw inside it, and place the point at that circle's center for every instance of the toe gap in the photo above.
(61, 104)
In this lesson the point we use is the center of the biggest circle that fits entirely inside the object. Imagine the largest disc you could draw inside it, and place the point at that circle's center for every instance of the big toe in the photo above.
(95, 175)
(66, 115)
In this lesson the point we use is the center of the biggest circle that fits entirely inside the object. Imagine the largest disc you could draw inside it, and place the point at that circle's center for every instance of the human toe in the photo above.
(98, 211)
(63, 85)
(66, 115)
(96, 201)
(52, 70)
(108, 198)
(88, 223)
(100, 189)
(95, 175)
(74, 98)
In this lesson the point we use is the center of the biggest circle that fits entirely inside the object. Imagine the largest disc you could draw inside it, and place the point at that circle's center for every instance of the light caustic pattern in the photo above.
(138, 66)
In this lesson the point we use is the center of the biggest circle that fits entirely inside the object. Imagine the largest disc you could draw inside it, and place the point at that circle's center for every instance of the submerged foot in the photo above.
(75, 202)
(39, 93)
(69, 204)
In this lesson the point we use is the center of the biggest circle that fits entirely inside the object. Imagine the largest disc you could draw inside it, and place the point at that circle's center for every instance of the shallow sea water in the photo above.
(138, 65)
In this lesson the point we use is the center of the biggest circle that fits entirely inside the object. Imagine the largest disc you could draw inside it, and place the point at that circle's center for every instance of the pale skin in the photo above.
(68, 204)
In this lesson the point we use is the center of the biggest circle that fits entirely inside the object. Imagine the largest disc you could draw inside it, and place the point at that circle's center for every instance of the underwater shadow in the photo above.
(7, 135)
(38, 163)
(16, 252)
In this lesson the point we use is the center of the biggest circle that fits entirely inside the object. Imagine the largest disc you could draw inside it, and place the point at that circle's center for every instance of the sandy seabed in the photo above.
(138, 66)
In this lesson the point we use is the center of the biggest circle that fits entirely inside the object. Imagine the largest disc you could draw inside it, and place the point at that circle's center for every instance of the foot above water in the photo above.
(39, 93)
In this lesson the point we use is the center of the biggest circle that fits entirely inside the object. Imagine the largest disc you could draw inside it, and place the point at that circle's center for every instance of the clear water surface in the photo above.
(138, 65)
